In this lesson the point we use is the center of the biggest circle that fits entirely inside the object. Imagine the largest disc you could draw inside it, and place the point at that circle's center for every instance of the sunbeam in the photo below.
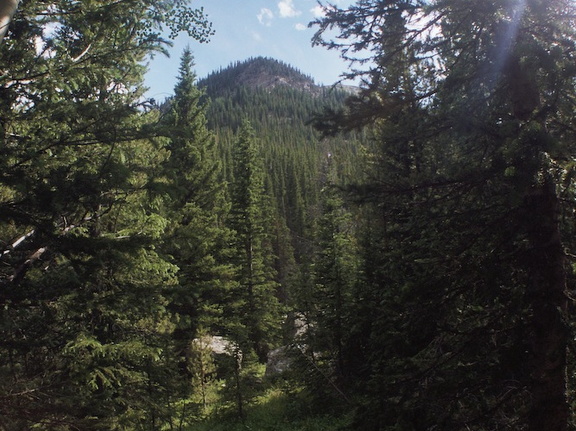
(504, 45)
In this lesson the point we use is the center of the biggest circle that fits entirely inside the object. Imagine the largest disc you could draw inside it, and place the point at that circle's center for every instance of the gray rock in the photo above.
(279, 361)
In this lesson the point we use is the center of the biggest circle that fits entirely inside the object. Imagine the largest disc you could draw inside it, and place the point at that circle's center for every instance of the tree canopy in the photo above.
(410, 262)
(84, 320)
(470, 104)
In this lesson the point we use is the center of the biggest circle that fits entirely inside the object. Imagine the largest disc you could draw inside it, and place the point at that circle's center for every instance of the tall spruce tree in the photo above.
(198, 239)
(468, 272)
(192, 194)
(336, 267)
(258, 305)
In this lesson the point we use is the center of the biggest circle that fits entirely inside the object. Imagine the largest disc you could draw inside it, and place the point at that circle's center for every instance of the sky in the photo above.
(250, 28)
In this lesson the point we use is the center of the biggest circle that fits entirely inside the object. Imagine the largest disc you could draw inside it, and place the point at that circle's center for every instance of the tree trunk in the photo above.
(239, 397)
(548, 303)
(7, 10)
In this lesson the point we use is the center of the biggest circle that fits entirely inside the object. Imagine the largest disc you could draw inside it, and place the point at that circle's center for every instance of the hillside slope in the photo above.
(279, 102)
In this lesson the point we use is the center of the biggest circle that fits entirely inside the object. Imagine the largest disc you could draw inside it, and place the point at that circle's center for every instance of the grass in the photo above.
(273, 411)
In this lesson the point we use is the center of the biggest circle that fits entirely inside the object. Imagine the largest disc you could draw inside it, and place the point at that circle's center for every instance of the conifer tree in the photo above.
(197, 240)
(259, 309)
(192, 195)
(336, 271)
(84, 321)
(194, 167)
(469, 243)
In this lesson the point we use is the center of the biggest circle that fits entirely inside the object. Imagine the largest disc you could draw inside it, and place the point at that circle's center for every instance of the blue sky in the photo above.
(251, 28)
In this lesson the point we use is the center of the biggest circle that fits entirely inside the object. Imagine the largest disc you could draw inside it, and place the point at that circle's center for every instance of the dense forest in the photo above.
(261, 252)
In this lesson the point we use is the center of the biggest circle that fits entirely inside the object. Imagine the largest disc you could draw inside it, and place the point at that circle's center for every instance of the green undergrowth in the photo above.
(275, 410)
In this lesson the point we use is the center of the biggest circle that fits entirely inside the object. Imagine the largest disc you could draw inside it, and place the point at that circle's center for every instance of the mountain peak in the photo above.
(260, 72)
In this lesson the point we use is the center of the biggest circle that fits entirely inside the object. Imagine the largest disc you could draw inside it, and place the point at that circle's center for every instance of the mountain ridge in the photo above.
(260, 72)
(269, 93)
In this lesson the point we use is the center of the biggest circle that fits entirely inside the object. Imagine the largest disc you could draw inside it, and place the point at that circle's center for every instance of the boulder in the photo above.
(215, 344)
(279, 361)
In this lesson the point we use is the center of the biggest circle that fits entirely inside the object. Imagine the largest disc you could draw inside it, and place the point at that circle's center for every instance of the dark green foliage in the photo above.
(336, 273)
(279, 102)
(464, 303)
(194, 191)
(85, 329)
(257, 305)
(428, 277)
(191, 193)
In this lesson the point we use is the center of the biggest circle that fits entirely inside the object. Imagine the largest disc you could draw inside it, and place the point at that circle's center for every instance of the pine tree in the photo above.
(84, 318)
(469, 242)
(198, 239)
(195, 169)
(259, 309)
(336, 272)
(191, 192)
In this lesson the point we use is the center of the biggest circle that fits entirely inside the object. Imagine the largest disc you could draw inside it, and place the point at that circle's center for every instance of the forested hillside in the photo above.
(280, 103)
(260, 252)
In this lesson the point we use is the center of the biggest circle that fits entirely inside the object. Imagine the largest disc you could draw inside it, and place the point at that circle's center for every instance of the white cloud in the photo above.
(256, 36)
(318, 11)
(265, 17)
(287, 9)
(300, 27)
